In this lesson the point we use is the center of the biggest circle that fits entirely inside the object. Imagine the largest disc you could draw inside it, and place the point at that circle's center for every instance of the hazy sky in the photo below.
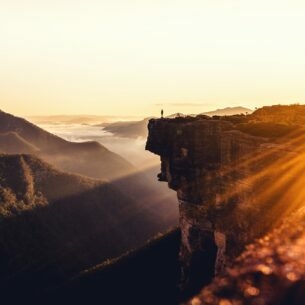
(134, 57)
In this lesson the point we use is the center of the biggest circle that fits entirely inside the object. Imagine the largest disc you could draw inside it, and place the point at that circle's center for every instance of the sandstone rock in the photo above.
(232, 187)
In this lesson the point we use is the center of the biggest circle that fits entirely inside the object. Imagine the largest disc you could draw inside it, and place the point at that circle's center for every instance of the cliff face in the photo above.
(224, 180)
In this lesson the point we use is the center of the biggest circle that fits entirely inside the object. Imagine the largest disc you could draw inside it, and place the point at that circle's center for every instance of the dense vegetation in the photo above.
(284, 114)
(275, 121)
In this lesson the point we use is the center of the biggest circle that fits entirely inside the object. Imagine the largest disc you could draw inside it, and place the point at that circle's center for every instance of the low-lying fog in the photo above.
(132, 150)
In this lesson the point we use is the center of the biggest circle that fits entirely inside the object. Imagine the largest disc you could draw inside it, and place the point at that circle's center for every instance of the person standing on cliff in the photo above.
(162, 112)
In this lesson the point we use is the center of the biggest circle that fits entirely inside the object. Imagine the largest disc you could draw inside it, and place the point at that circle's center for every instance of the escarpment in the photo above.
(232, 186)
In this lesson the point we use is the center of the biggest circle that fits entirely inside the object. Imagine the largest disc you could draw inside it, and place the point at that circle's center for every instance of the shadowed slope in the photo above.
(148, 275)
(54, 224)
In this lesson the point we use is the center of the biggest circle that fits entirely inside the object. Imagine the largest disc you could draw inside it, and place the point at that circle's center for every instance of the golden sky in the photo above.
(134, 57)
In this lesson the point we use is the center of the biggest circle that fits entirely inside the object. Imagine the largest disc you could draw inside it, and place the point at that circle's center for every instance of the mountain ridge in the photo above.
(228, 111)
(64, 154)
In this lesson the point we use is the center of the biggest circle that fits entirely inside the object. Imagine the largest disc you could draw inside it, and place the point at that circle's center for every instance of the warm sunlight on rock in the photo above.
(242, 178)
(196, 301)
(252, 291)
(225, 302)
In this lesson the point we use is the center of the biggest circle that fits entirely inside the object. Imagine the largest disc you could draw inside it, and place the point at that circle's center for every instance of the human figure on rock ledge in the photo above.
(162, 112)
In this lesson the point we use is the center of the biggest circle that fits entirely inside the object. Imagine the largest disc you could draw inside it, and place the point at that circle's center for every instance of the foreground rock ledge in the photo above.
(232, 188)
(270, 271)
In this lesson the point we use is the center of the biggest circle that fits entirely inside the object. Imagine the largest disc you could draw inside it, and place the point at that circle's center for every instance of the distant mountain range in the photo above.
(88, 158)
(77, 119)
(175, 115)
(229, 111)
(136, 129)
(221, 112)
(129, 129)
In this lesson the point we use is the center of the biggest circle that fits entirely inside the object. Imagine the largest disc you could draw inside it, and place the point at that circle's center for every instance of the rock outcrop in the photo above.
(270, 271)
(232, 187)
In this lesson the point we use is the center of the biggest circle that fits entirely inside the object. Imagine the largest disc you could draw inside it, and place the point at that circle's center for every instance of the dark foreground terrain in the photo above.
(148, 275)
(271, 271)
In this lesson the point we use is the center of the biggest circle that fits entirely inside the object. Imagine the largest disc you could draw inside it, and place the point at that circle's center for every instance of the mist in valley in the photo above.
(131, 149)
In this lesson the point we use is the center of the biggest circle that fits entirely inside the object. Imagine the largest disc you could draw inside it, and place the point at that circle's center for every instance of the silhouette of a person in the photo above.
(162, 112)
